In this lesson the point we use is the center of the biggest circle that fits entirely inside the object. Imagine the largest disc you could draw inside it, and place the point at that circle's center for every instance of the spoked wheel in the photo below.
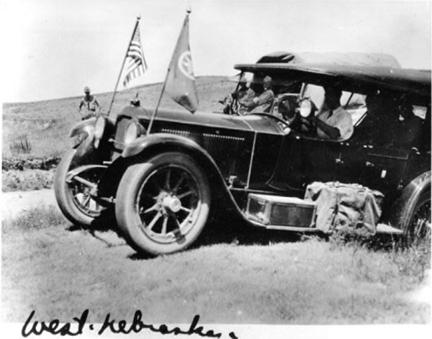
(83, 188)
(419, 229)
(162, 205)
(75, 191)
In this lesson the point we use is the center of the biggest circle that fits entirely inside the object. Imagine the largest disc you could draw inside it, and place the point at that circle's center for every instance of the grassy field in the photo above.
(26, 180)
(235, 275)
(244, 277)
(42, 127)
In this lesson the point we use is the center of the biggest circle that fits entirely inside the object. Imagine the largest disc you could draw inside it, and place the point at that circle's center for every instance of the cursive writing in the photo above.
(138, 325)
(111, 325)
(54, 326)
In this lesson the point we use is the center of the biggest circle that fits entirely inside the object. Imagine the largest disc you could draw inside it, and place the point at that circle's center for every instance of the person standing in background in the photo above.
(89, 107)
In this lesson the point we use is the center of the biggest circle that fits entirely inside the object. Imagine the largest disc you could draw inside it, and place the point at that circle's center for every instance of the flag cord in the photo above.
(166, 77)
(122, 66)
(158, 103)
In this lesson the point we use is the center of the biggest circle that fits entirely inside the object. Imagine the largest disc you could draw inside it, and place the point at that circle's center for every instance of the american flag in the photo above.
(135, 61)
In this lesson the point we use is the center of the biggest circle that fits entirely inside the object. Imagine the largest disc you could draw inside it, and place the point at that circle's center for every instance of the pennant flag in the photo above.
(180, 83)
(135, 61)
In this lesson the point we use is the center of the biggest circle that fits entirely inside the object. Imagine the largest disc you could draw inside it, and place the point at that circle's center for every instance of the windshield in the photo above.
(256, 93)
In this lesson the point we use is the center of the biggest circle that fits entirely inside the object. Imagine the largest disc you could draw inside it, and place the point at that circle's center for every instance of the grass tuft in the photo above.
(33, 220)
(20, 145)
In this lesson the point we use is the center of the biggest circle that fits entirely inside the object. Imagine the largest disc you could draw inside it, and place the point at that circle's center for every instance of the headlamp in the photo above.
(305, 108)
(131, 133)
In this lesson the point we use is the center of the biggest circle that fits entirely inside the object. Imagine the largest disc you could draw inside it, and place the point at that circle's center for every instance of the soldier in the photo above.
(90, 104)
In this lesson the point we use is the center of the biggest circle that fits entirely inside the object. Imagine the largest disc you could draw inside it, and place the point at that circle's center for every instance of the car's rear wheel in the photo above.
(74, 193)
(418, 224)
(162, 205)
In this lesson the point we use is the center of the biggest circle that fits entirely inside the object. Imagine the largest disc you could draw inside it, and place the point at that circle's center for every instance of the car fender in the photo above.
(84, 126)
(146, 146)
(83, 133)
(408, 198)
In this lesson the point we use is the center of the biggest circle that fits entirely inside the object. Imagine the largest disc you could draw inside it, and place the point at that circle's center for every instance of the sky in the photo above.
(56, 47)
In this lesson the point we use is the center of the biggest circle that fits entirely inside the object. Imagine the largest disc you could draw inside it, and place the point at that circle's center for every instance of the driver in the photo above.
(241, 92)
(333, 122)
(261, 102)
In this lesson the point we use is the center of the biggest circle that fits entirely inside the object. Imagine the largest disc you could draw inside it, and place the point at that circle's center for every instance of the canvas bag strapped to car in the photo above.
(349, 207)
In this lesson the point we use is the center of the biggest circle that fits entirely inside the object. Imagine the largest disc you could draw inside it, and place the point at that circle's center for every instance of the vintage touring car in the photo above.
(163, 185)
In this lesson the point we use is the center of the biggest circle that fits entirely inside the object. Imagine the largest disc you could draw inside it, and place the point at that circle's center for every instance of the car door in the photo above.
(304, 159)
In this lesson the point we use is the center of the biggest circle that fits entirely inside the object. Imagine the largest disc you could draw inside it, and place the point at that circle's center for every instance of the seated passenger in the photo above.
(261, 102)
(409, 126)
(379, 125)
(333, 122)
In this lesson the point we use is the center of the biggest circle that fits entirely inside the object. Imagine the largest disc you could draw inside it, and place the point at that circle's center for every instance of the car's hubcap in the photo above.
(168, 203)
(171, 204)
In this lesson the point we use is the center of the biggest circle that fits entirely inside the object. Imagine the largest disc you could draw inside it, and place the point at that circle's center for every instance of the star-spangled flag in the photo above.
(135, 62)
(180, 83)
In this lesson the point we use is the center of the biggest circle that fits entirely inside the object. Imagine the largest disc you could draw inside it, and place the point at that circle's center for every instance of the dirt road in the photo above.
(14, 203)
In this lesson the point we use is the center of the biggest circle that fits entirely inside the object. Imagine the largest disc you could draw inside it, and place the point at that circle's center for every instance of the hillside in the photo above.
(45, 124)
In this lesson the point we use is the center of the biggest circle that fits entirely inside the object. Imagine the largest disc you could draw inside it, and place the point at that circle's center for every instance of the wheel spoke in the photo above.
(154, 221)
(188, 210)
(177, 231)
(419, 227)
(185, 194)
(176, 221)
(86, 202)
(150, 209)
(177, 185)
(84, 181)
(167, 179)
(165, 224)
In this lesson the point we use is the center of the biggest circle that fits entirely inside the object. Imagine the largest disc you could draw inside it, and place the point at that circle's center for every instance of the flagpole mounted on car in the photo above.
(123, 63)
(179, 79)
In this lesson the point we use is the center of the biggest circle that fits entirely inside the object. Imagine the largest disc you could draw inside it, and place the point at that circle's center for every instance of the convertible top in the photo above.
(332, 58)
(360, 76)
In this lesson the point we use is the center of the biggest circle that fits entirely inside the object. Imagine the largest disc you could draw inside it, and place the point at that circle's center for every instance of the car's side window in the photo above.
(390, 121)
(330, 115)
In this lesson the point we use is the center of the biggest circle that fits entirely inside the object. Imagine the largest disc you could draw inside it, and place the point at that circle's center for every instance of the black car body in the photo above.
(231, 157)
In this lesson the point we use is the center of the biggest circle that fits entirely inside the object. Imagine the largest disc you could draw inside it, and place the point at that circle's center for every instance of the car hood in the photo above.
(252, 122)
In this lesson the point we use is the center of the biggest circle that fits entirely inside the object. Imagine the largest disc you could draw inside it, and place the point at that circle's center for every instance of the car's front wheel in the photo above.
(162, 205)
(74, 191)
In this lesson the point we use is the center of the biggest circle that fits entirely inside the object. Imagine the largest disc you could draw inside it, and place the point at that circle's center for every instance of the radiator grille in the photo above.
(176, 132)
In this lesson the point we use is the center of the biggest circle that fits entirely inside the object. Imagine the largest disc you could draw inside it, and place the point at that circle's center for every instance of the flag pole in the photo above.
(122, 66)
(188, 11)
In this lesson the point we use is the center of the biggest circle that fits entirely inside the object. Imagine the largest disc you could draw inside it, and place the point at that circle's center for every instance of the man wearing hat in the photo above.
(89, 107)
(242, 91)
(261, 102)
